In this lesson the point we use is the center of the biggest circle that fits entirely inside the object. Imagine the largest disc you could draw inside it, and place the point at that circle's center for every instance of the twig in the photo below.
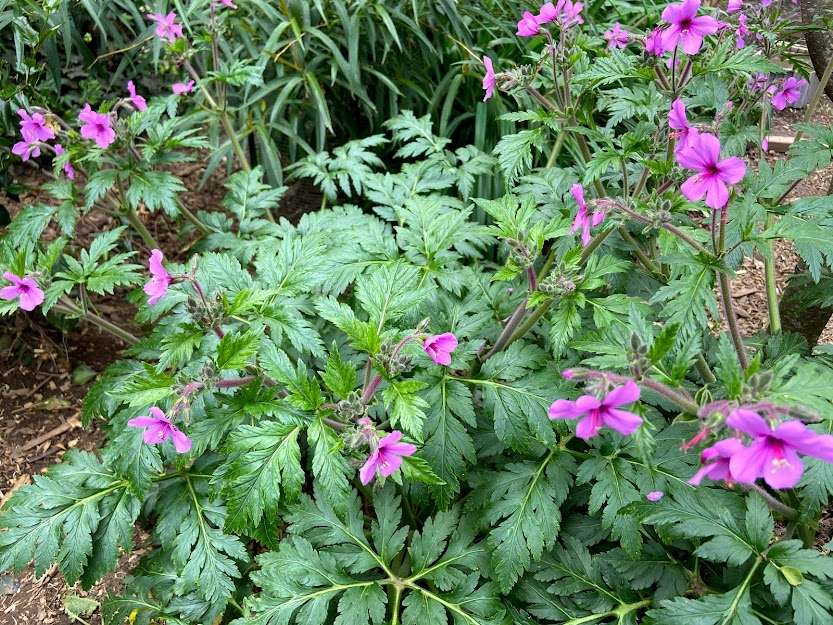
(69, 424)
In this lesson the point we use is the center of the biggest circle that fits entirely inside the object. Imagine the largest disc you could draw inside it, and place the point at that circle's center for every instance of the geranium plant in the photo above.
(391, 412)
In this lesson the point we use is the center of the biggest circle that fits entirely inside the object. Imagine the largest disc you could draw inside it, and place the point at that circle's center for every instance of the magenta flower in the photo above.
(157, 286)
(713, 175)
(528, 26)
(655, 495)
(167, 27)
(742, 32)
(180, 88)
(653, 43)
(686, 26)
(584, 221)
(773, 454)
(715, 461)
(678, 121)
(386, 458)
(33, 127)
(765, 144)
(25, 290)
(548, 12)
(489, 80)
(227, 3)
(788, 93)
(617, 37)
(97, 126)
(158, 429)
(758, 82)
(26, 150)
(597, 412)
(138, 101)
(569, 13)
(439, 347)
(69, 170)
(734, 6)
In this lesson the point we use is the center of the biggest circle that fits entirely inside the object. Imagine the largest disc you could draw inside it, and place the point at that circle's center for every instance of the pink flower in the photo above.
(25, 290)
(773, 454)
(439, 347)
(758, 82)
(765, 144)
(741, 32)
(766, 3)
(713, 175)
(69, 170)
(584, 221)
(158, 429)
(180, 88)
(597, 413)
(617, 37)
(489, 80)
(227, 3)
(715, 461)
(548, 12)
(26, 150)
(653, 43)
(678, 121)
(160, 279)
(655, 495)
(386, 458)
(734, 6)
(97, 126)
(528, 26)
(788, 93)
(686, 26)
(33, 127)
(570, 13)
(138, 101)
(167, 27)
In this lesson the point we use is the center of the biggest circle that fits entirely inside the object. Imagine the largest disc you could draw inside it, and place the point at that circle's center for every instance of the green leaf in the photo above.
(406, 409)
(262, 469)
(236, 350)
(78, 515)
(190, 527)
(525, 511)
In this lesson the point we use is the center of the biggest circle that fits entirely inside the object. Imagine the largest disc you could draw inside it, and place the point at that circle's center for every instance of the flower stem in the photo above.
(139, 227)
(771, 286)
(69, 307)
(223, 115)
(783, 509)
(726, 294)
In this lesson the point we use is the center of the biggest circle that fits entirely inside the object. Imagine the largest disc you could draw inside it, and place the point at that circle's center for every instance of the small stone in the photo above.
(9, 585)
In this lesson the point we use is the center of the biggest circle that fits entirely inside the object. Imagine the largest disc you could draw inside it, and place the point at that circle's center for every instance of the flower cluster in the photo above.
(565, 13)
(771, 453)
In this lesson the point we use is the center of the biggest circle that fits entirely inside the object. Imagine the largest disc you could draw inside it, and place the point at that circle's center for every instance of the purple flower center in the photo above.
(100, 128)
(25, 289)
(685, 24)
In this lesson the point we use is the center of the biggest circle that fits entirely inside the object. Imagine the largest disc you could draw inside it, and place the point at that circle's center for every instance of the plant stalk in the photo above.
(69, 307)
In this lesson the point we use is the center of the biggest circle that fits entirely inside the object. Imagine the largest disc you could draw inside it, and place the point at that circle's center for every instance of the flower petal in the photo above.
(748, 464)
(588, 427)
(624, 422)
(182, 443)
(784, 472)
(748, 422)
(368, 470)
(564, 409)
(621, 395)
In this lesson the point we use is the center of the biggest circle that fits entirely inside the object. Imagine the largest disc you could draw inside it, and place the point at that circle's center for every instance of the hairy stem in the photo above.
(67, 306)
(224, 118)
(726, 295)
(139, 227)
